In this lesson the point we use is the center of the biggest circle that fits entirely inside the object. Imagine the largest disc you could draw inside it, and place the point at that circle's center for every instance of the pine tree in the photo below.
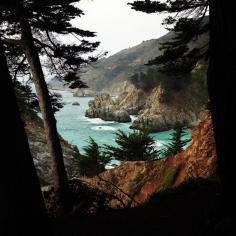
(177, 142)
(93, 161)
(188, 23)
(31, 22)
(135, 146)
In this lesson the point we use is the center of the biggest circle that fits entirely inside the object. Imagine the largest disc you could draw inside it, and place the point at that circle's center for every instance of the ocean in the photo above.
(74, 127)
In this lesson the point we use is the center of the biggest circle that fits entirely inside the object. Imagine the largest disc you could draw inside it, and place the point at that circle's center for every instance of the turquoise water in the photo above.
(74, 127)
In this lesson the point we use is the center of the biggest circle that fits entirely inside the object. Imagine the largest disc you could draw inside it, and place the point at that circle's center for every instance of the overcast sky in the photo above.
(117, 25)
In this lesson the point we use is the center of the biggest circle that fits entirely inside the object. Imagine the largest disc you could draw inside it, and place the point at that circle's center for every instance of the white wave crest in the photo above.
(133, 118)
(158, 143)
(98, 121)
(102, 128)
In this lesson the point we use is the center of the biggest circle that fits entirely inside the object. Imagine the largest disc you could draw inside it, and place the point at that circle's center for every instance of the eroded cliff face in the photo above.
(105, 107)
(38, 147)
(162, 110)
(132, 100)
(157, 109)
(137, 181)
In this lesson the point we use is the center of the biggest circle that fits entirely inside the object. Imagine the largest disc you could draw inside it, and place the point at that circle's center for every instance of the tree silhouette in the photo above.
(221, 73)
(32, 22)
(21, 202)
(188, 22)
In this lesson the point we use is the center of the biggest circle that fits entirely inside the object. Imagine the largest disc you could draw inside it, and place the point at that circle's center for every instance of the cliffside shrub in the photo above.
(93, 162)
(177, 142)
(135, 146)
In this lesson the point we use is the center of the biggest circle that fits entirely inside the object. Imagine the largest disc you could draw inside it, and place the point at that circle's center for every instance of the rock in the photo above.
(84, 93)
(184, 107)
(104, 107)
(39, 150)
(132, 100)
(75, 104)
(122, 116)
(57, 84)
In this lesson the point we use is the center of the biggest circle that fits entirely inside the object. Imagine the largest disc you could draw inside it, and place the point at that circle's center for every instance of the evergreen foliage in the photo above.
(93, 162)
(188, 21)
(135, 146)
(33, 27)
(49, 20)
(177, 142)
(28, 101)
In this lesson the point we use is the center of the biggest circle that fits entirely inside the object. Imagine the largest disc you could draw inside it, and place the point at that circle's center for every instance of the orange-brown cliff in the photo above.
(136, 181)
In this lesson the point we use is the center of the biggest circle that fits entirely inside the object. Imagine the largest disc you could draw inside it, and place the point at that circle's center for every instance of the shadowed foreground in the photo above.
(191, 209)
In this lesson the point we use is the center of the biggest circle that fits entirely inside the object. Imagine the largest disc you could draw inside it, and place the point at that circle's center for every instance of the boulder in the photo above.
(75, 104)
(84, 93)
(122, 116)
(104, 107)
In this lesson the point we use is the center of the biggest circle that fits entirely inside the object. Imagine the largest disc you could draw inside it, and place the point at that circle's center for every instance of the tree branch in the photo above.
(17, 42)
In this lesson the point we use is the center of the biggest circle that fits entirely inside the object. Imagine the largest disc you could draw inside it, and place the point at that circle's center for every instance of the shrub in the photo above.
(177, 142)
(93, 162)
(135, 146)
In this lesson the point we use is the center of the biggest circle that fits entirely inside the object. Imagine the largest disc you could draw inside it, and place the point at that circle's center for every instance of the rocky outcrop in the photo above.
(84, 93)
(39, 150)
(157, 109)
(163, 110)
(75, 104)
(132, 100)
(135, 182)
(122, 116)
(104, 107)
(57, 84)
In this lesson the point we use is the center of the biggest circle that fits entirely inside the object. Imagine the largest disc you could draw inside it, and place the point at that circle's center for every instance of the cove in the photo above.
(74, 127)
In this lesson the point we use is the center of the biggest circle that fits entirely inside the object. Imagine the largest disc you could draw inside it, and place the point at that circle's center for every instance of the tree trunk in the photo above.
(22, 207)
(61, 186)
(221, 75)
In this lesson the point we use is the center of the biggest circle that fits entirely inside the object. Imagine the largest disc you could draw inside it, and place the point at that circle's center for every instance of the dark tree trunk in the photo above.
(22, 207)
(58, 168)
(221, 80)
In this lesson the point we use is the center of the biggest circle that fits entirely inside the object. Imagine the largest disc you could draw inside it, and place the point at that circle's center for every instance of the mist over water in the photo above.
(74, 127)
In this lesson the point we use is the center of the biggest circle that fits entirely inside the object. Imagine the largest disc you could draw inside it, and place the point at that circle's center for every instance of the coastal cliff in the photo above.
(157, 109)
(163, 109)
(104, 107)
(139, 180)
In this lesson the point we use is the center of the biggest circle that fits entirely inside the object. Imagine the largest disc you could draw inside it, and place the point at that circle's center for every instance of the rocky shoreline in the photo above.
(152, 111)
(104, 107)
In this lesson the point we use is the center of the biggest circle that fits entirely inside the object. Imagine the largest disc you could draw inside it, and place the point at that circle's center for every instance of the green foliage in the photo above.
(49, 20)
(28, 101)
(93, 162)
(56, 101)
(188, 24)
(135, 146)
(177, 143)
(153, 78)
(146, 81)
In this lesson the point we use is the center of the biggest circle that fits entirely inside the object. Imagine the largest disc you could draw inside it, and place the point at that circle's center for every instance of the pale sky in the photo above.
(117, 25)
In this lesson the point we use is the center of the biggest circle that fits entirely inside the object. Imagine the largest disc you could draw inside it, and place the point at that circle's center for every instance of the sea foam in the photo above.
(103, 128)
(98, 121)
